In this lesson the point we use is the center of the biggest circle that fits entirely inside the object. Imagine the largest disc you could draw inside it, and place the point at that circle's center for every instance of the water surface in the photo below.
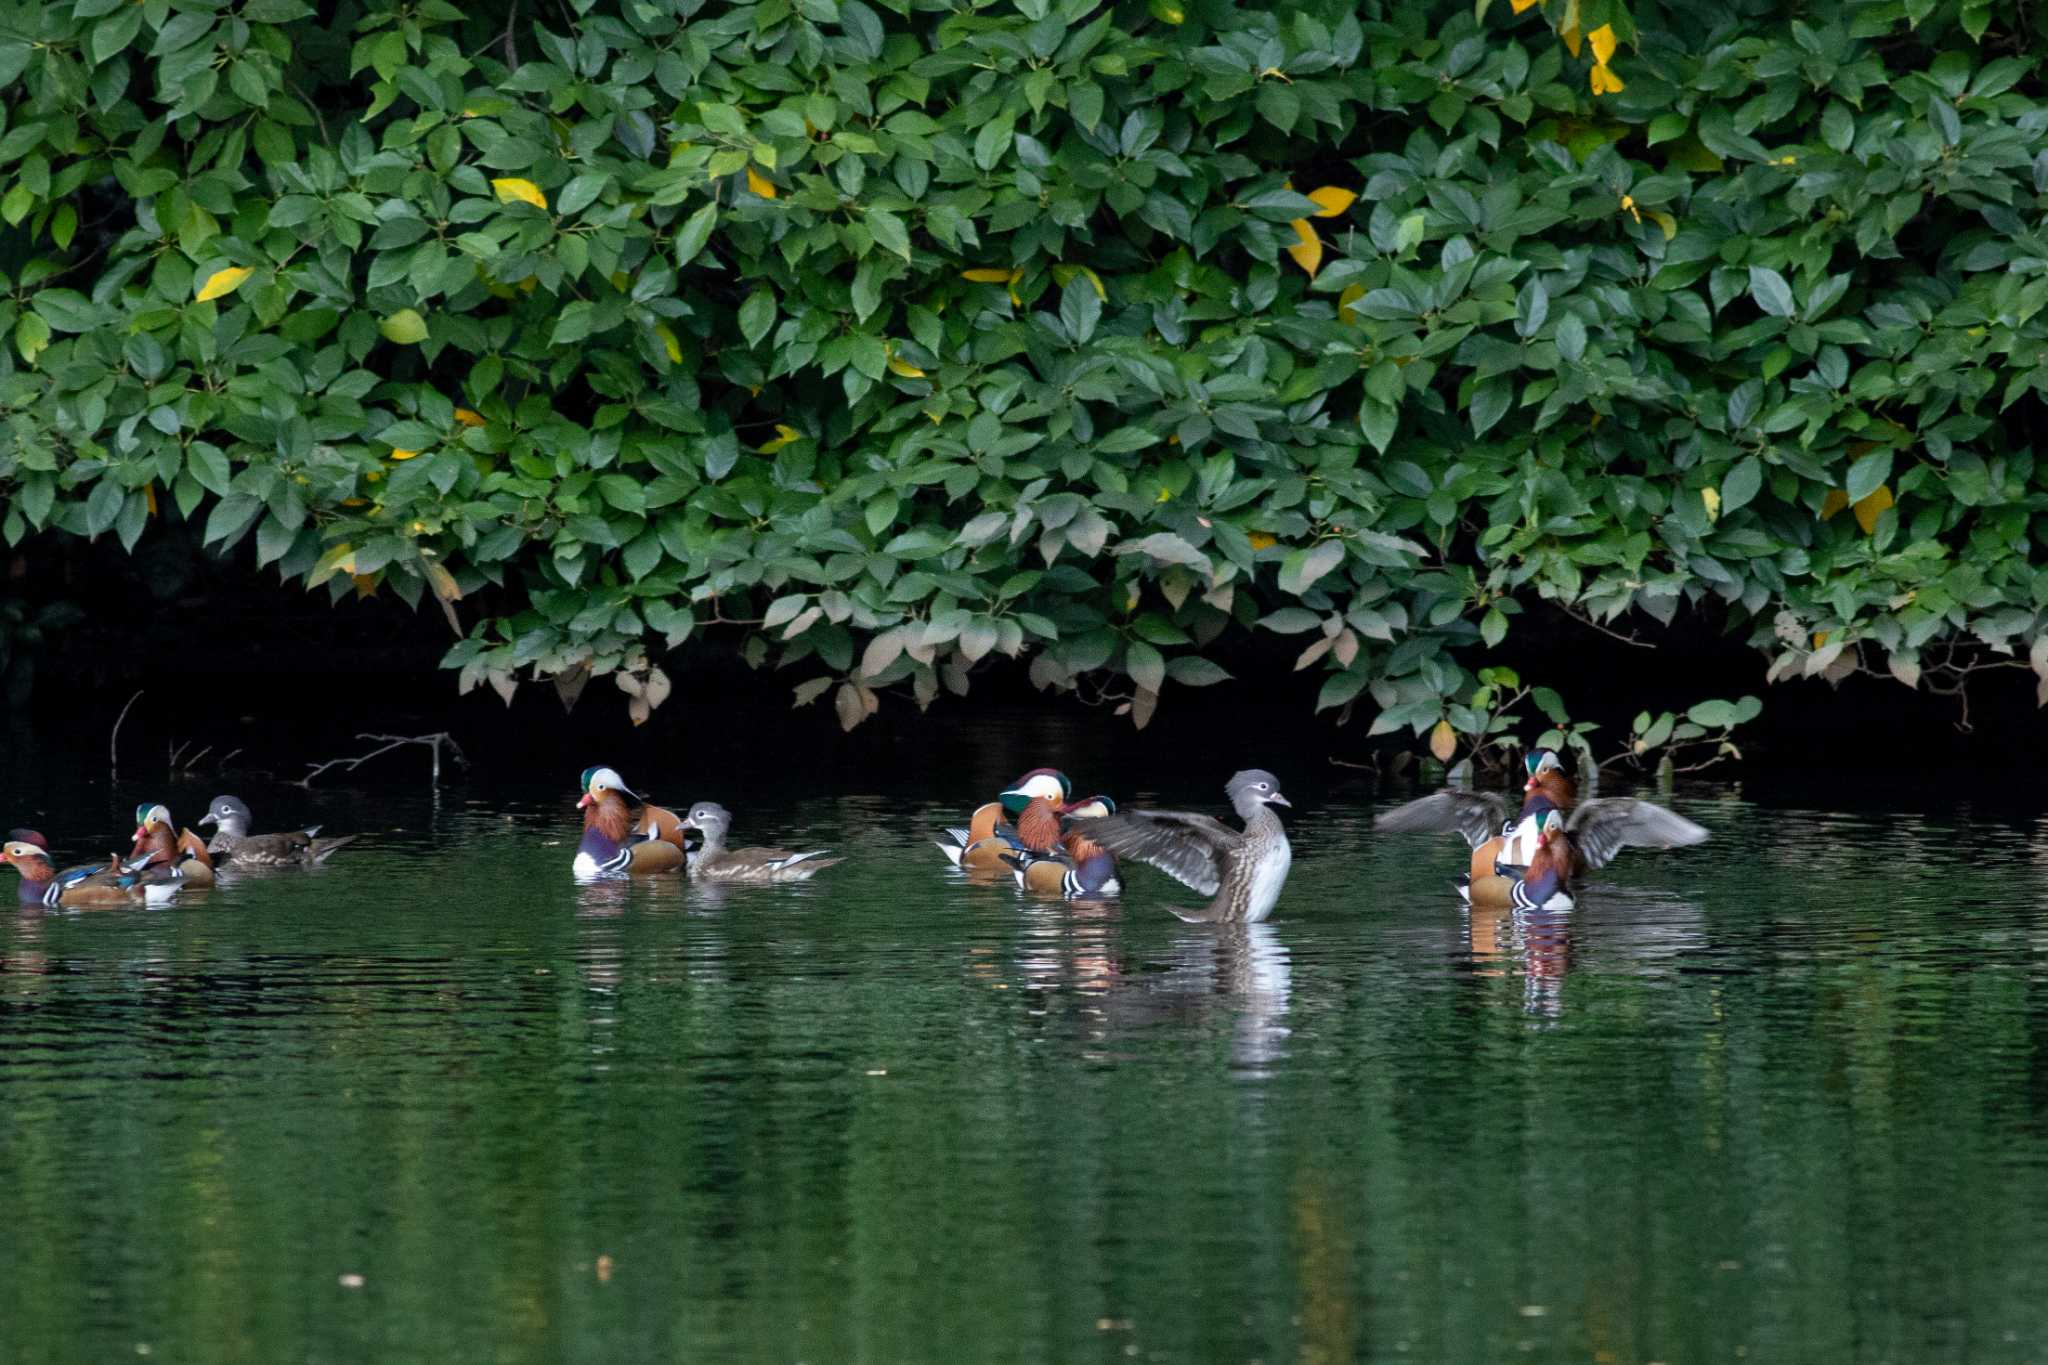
(1777, 1098)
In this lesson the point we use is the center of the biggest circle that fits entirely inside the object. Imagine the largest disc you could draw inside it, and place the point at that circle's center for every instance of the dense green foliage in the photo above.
(907, 334)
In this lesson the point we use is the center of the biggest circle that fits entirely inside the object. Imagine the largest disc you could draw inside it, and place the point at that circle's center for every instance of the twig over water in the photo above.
(434, 741)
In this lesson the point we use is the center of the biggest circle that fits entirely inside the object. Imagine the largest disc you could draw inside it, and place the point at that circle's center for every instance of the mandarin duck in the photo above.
(1588, 838)
(1496, 836)
(84, 888)
(616, 843)
(159, 843)
(1080, 868)
(989, 836)
(1242, 870)
(714, 862)
(233, 841)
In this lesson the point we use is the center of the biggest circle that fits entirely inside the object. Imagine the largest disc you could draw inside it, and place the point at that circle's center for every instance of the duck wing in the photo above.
(1194, 850)
(1601, 829)
(1476, 815)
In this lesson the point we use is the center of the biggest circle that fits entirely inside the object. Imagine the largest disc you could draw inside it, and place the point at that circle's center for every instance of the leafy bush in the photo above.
(903, 335)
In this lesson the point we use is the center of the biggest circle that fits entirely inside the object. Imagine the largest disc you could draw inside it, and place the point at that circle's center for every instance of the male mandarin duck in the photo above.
(233, 841)
(989, 837)
(1587, 838)
(1483, 818)
(1606, 824)
(714, 862)
(1242, 870)
(1080, 868)
(84, 888)
(615, 843)
(159, 843)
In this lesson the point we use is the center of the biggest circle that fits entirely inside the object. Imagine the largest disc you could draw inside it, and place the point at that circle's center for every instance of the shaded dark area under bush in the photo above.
(226, 656)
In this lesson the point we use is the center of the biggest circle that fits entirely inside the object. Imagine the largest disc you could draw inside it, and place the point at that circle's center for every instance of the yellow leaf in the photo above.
(1665, 221)
(1352, 294)
(445, 586)
(403, 454)
(1869, 509)
(988, 275)
(1260, 540)
(366, 583)
(620, 280)
(1712, 498)
(1570, 34)
(523, 191)
(669, 342)
(1788, 161)
(469, 418)
(1167, 11)
(1602, 39)
(355, 502)
(783, 436)
(1443, 741)
(1834, 502)
(1522, 6)
(529, 284)
(898, 365)
(222, 283)
(1820, 638)
(1065, 275)
(149, 495)
(761, 184)
(1628, 205)
(1308, 252)
(1605, 82)
(1165, 495)
(1333, 200)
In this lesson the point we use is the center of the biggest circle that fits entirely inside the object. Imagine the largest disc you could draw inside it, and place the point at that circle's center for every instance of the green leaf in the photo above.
(1770, 291)
(405, 327)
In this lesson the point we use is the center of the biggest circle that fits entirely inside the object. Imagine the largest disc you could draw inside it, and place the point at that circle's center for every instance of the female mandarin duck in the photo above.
(1243, 871)
(1595, 830)
(296, 848)
(989, 837)
(84, 888)
(159, 843)
(615, 843)
(714, 862)
(1080, 868)
(1483, 818)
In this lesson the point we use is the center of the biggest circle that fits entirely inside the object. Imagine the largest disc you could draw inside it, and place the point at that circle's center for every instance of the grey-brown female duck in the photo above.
(1242, 871)
(295, 848)
(714, 862)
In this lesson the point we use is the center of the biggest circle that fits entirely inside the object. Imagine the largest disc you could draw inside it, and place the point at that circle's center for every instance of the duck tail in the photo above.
(323, 849)
(953, 852)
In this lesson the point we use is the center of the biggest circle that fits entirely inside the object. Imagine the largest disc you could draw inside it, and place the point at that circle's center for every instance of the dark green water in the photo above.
(1778, 1098)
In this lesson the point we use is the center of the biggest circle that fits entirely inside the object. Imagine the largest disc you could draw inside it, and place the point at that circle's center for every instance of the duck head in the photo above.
(1088, 808)
(1048, 783)
(1541, 762)
(711, 819)
(150, 818)
(1252, 788)
(599, 781)
(31, 859)
(28, 836)
(229, 814)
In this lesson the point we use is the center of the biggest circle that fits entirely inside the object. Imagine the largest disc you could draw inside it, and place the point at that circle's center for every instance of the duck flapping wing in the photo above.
(1476, 815)
(1191, 849)
(1600, 829)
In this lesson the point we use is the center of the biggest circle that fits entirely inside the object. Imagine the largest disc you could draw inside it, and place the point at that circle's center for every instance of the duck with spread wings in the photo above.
(1242, 871)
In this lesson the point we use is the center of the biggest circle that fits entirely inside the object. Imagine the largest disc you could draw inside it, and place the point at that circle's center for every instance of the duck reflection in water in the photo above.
(1540, 940)
(1643, 932)
(1238, 972)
